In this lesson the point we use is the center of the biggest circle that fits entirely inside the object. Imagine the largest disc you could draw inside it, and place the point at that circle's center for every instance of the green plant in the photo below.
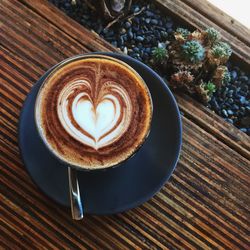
(159, 54)
(183, 79)
(205, 90)
(184, 33)
(221, 76)
(221, 50)
(210, 88)
(212, 35)
(203, 55)
(193, 51)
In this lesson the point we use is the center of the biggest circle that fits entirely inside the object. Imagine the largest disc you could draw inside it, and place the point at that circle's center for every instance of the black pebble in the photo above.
(140, 38)
(127, 25)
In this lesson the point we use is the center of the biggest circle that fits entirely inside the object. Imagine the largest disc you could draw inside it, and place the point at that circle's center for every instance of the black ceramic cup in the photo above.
(76, 206)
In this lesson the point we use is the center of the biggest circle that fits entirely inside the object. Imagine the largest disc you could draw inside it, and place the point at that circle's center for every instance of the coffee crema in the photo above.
(93, 112)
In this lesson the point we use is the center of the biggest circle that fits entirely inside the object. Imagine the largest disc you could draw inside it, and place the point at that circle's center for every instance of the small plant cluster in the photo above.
(196, 61)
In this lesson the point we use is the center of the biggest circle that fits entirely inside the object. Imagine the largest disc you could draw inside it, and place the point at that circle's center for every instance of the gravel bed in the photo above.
(137, 37)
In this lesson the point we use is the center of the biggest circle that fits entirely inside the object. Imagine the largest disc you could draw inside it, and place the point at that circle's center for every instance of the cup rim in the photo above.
(50, 72)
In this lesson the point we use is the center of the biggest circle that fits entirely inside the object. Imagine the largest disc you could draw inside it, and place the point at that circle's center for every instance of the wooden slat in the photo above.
(220, 18)
(205, 204)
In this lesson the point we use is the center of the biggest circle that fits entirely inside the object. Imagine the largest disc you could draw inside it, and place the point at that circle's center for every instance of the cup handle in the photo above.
(75, 197)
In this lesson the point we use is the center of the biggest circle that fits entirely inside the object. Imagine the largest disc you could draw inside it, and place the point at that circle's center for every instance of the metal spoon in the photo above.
(75, 197)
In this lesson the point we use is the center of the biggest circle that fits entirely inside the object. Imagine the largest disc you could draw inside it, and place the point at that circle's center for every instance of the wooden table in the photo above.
(205, 205)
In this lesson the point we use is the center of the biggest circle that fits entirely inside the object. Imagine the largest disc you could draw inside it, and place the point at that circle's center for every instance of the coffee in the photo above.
(93, 112)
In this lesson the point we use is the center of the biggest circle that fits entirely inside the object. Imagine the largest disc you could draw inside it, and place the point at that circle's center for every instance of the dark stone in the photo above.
(136, 28)
(230, 100)
(214, 104)
(230, 93)
(244, 88)
(243, 93)
(169, 24)
(123, 31)
(136, 9)
(233, 75)
(127, 25)
(230, 112)
(235, 107)
(229, 120)
(135, 49)
(170, 30)
(154, 21)
(224, 113)
(149, 13)
(243, 78)
(120, 41)
(130, 34)
(164, 34)
(232, 87)
(243, 130)
(242, 99)
(105, 31)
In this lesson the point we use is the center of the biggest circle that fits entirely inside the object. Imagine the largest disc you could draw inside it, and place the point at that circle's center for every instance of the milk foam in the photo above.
(96, 123)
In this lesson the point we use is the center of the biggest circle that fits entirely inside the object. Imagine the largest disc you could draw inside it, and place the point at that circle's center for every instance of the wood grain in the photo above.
(205, 205)
(220, 18)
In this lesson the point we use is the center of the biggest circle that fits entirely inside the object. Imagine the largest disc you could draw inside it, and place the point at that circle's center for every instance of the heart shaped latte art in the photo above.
(96, 117)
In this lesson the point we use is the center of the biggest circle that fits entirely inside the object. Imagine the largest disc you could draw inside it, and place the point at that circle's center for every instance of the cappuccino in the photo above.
(93, 112)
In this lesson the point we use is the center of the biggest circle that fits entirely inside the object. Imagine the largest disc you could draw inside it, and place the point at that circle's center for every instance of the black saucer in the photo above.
(118, 189)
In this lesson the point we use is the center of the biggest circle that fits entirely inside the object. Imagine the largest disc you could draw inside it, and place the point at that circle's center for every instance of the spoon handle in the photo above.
(75, 197)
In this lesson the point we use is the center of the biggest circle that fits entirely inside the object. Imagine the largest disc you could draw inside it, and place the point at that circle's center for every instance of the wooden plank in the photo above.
(205, 204)
(220, 18)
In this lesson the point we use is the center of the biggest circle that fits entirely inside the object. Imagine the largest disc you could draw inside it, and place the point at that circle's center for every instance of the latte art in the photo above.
(93, 112)
(94, 122)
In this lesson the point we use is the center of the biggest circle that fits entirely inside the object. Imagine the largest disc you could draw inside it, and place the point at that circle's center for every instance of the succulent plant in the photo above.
(193, 51)
(196, 60)
(183, 79)
(181, 33)
(159, 54)
(206, 90)
(221, 49)
(197, 36)
(212, 35)
(219, 53)
(221, 76)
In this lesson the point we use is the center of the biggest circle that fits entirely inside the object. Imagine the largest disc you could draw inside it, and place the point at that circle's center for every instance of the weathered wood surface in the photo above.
(205, 205)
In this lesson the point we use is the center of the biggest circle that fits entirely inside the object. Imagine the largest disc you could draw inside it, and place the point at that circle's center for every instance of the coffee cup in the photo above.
(93, 112)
